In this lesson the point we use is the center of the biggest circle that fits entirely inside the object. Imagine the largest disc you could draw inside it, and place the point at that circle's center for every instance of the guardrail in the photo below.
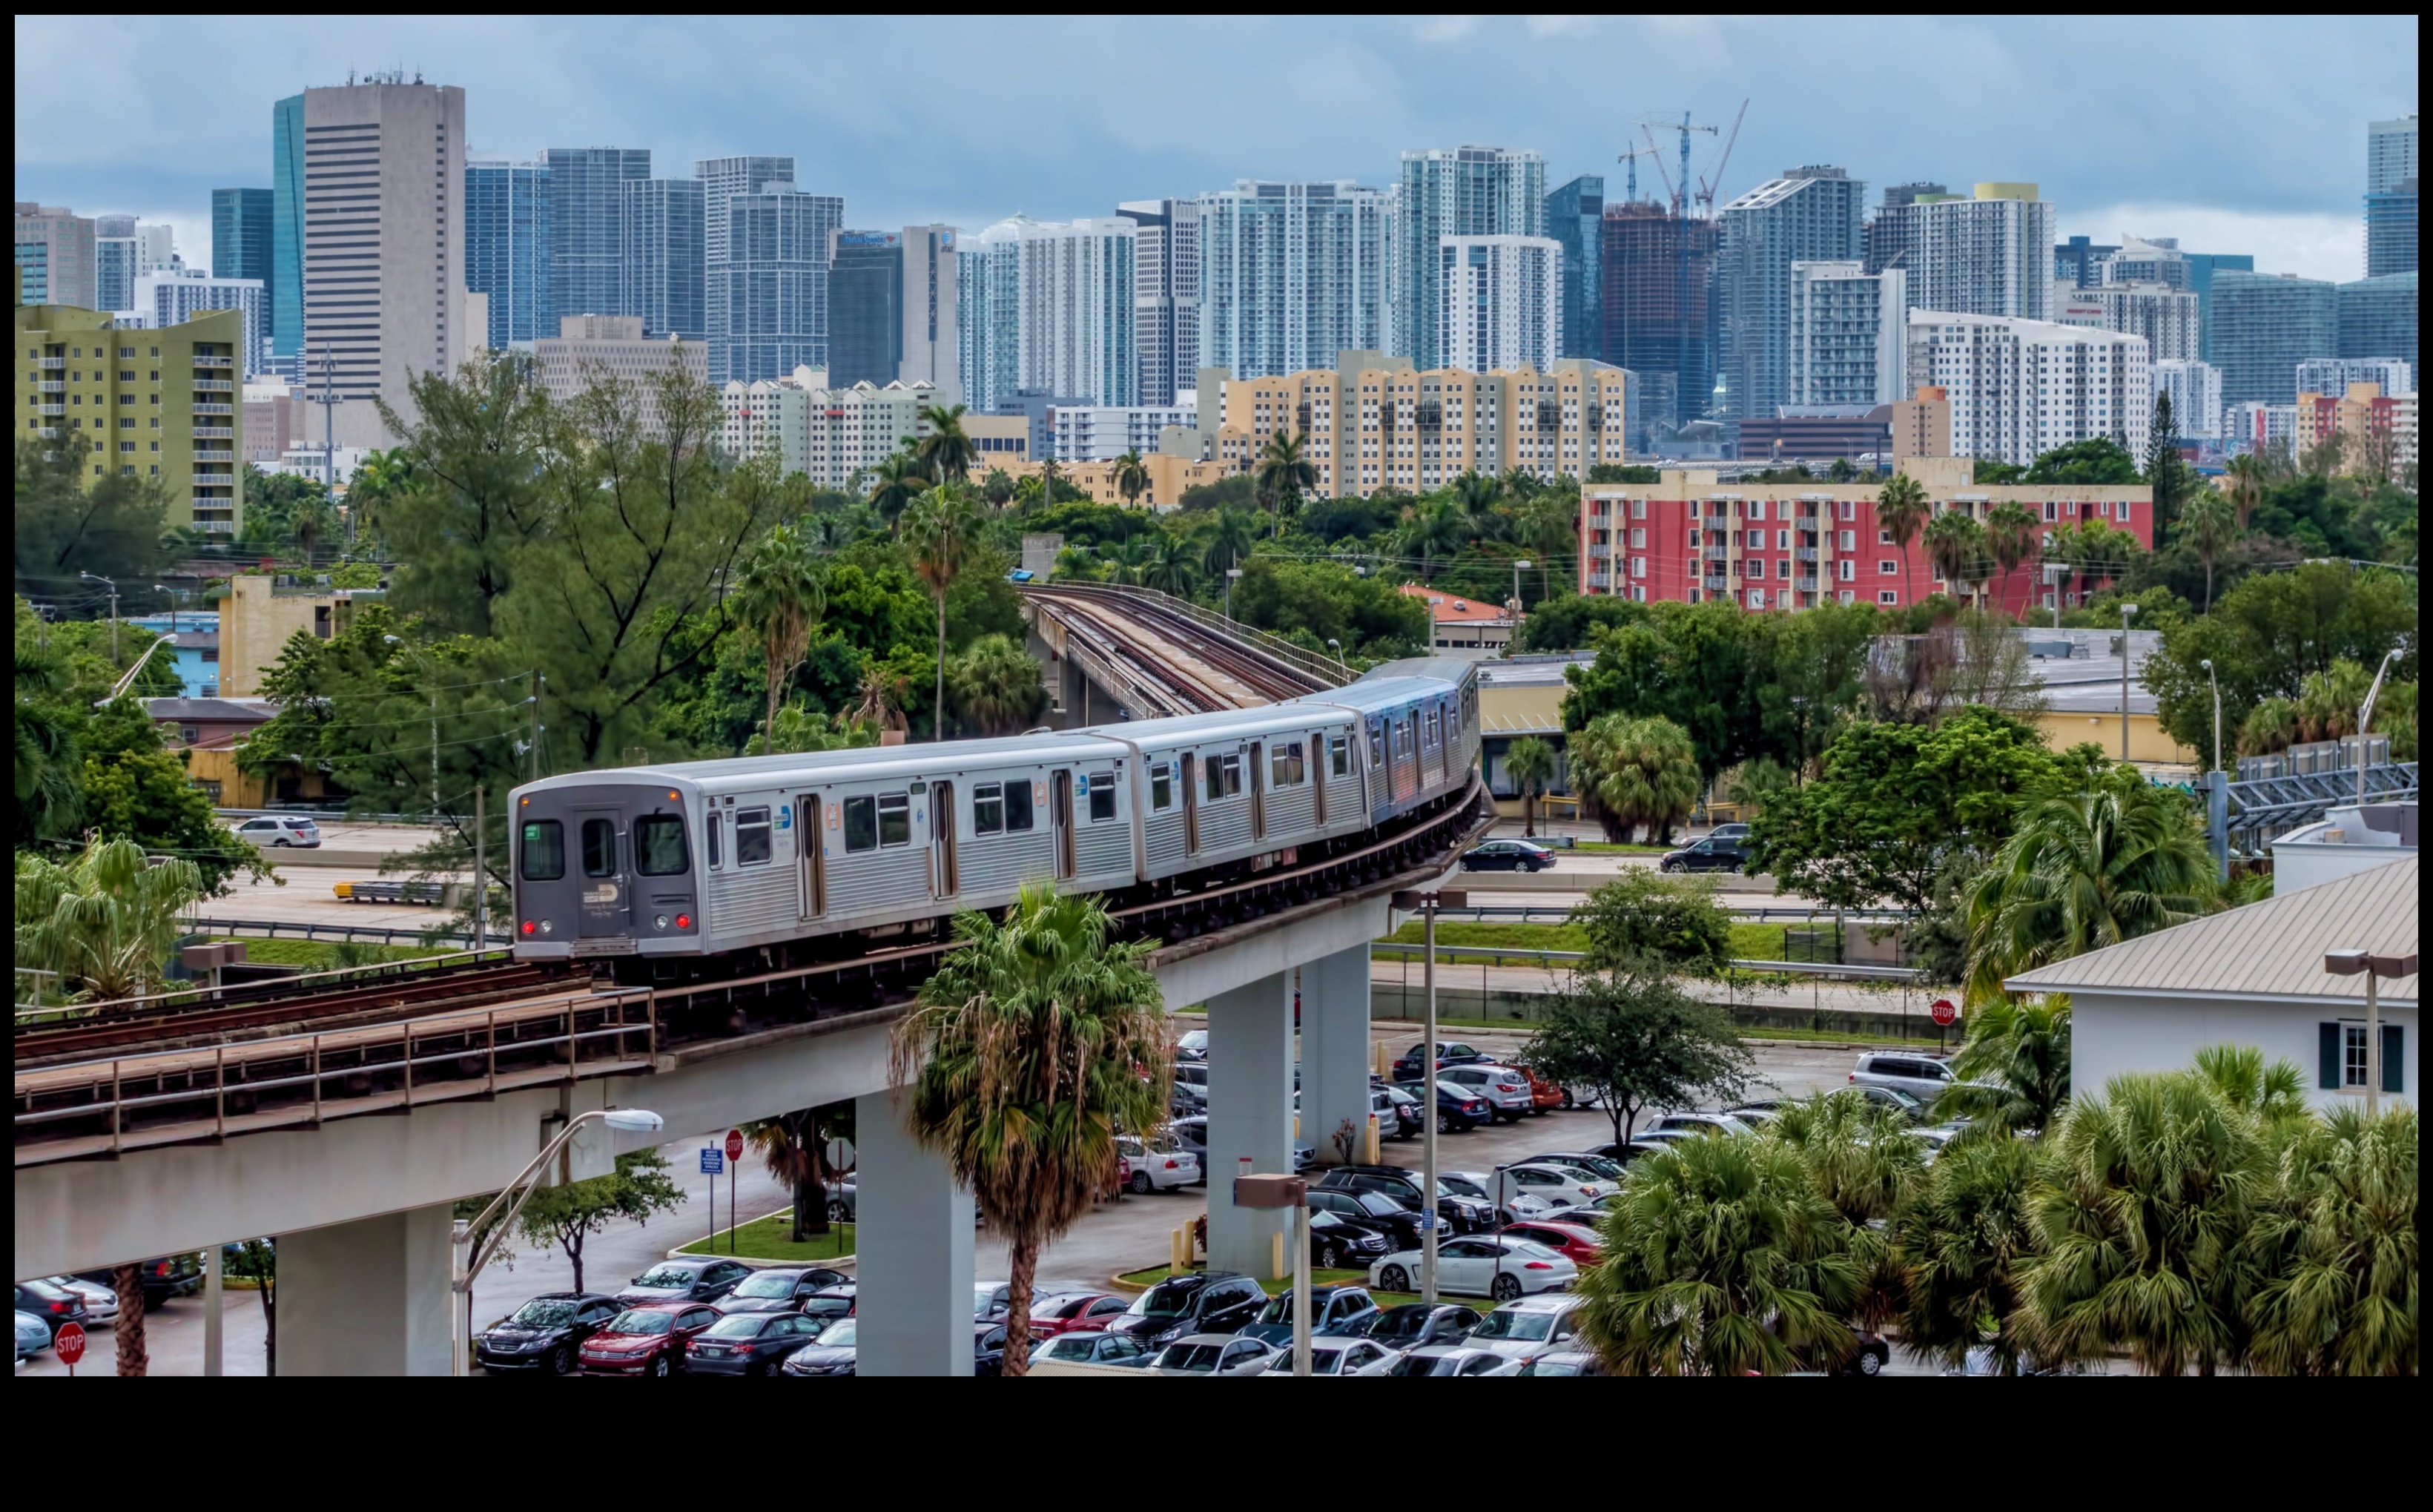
(1494, 955)
(1561, 913)
(288, 929)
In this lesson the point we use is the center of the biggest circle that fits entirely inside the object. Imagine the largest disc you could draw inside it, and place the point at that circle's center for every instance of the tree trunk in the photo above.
(1025, 1258)
(940, 732)
(1529, 814)
(133, 1358)
(269, 1325)
(574, 1252)
(811, 1190)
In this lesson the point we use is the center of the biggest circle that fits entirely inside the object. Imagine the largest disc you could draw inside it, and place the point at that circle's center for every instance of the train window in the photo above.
(1287, 766)
(1376, 743)
(660, 846)
(544, 850)
(599, 847)
(1436, 729)
(1161, 785)
(754, 840)
(714, 858)
(1224, 777)
(1342, 755)
(988, 807)
(1102, 796)
(894, 818)
(1019, 797)
(861, 823)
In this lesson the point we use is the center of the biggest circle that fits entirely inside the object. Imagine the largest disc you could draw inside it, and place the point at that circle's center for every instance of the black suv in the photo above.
(1213, 1301)
(545, 1333)
(1708, 855)
(1461, 1215)
(1406, 1065)
(1373, 1211)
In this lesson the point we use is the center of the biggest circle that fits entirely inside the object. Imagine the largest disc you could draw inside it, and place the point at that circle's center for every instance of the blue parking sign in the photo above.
(714, 1162)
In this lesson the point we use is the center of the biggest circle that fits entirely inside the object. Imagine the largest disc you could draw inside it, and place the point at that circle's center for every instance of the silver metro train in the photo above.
(763, 854)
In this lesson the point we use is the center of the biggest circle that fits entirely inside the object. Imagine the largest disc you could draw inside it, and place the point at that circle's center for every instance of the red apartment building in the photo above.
(1690, 537)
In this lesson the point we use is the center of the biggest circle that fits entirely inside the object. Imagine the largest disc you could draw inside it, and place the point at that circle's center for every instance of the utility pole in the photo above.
(329, 435)
(480, 870)
(2127, 612)
(538, 680)
(1430, 1216)
(113, 612)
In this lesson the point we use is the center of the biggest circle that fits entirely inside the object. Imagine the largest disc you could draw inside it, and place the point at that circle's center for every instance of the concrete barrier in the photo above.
(1558, 879)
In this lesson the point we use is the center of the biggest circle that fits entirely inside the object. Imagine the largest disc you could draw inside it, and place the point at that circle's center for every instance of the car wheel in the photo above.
(1567, 1099)
(1507, 1288)
(1870, 1362)
(1329, 1258)
(838, 1212)
(561, 1360)
(1674, 867)
(279, 843)
(661, 1367)
(1444, 1123)
(1394, 1279)
(1142, 1185)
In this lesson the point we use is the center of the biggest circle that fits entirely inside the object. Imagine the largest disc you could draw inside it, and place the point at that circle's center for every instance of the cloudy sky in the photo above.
(2237, 133)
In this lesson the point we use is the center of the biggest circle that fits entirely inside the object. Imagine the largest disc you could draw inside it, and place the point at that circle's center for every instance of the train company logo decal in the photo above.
(602, 895)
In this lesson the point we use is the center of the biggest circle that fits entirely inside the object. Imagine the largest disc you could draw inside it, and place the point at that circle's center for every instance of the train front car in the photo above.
(606, 864)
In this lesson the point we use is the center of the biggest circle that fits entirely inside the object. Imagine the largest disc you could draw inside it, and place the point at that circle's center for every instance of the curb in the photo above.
(843, 1263)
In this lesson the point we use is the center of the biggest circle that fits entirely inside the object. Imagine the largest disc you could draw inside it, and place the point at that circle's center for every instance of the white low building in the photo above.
(2253, 975)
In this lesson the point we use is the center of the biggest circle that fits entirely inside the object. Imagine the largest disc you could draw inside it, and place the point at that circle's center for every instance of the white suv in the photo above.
(1159, 1167)
(281, 829)
(1921, 1076)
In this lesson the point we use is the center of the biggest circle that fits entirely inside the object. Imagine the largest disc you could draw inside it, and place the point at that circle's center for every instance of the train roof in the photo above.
(925, 758)
(1258, 720)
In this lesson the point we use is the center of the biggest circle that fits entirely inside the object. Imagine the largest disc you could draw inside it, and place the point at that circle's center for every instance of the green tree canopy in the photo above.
(1640, 916)
(1640, 1042)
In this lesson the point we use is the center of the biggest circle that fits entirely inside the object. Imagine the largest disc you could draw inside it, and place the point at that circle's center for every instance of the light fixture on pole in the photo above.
(95, 577)
(1231, 573)
(2127, 612)
(466, 1260)
(1292, 1193)
(1430, 1216)
(2056, 573)
(1336, 646)
(1519, 566)
(2374, 968)
(2215, 679)
(2365, 715)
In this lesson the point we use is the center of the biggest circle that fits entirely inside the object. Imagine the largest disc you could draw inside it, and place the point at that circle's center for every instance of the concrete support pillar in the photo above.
(913, 1245)
(1334, 1059)
(1249, 1112)
(368, 1297)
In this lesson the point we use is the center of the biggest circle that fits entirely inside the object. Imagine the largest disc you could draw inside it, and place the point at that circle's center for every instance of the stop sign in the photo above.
(70, 1343)
(1943, 1011)
(735, 1144)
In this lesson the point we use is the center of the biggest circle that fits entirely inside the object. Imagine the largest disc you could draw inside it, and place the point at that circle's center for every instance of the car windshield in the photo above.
(1596, 1163)
(837, 1335)
(667, 1277)
(741, 1326)
(1556, 1366)
(1400, 1324)
(1069, 1347)
(1508, 1323)
(1418, 1364)
(542, 1313)
(1280, 1308)
(1168, 1301)
(635, 1321)
(1398, 1096)
(1190, 1357)
(769, 1284)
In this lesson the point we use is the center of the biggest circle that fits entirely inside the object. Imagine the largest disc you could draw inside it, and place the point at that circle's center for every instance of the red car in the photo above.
(1074, 1313)
(646, 1339)
(1576, 1242)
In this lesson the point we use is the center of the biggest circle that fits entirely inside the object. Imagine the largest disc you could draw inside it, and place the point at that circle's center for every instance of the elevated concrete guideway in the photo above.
(1116, 653)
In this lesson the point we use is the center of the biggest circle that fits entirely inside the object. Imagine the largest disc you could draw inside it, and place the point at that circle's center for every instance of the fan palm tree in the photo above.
(880, 700)
(942, 531)
(1170, 566)
(1229, 536)
(1955, 543)
(779, 590)
(1477, 493)
(2271, 725)
(1721, 1259)
(2083, 872)
(1434, 526)
(2342, 1241)
(2211, 524)
(1529, 762)
(1549, 526)
(2011, 530)
(896, 481)
(1866, 1161)
(1125, 561)
(1283, 470)
(2015, 1068)
(945, 453)
(105, 922)
(1959, 1245)
(2245, 474)
(1636, 772)
(793, 1148)
(998, 488)
(1900, 510)
(1131, 477)
(1038, 1039)
(999, 687)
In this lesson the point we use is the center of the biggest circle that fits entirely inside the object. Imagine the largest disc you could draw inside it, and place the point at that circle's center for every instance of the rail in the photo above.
(1272, 656)
(1500, 954)
(274, 987)
(1761, 914)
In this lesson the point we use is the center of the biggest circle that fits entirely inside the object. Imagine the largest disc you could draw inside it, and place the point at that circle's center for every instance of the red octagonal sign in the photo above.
(70, 1343)
(1943, 1011)
(735, 1144)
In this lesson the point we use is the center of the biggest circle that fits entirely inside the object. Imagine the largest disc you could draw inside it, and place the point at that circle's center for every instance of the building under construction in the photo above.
(1658, 286)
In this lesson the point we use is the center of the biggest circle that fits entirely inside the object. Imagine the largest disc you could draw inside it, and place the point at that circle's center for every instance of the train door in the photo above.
(811, 842)
(1061, 808)
(1258, 791)
(1190, 803)
(945, 875)
(607, 906)
(1321, 767)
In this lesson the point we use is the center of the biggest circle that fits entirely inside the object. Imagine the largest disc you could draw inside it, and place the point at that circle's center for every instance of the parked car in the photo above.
(1337, 1243)
(750, 1344)
(1339, 1312)
(1398, 1114)
(545, 1333)
(1508, 856)
(1532, 1326)
(1554, 1362)
(1544, 1096)
(825, 1307)
(33, 1334)
(1459, 1109)
(778, 1289)
(1398, 1225)
(1922, 1077)
(988, 1349)
(844, 1201)
(1480, 1265)
(1870, 1357)
(1214, 1354)
(1558, 1186)
(1693, 1123)
(1442, 1359)
(1708, 855)
(1215, 1301)
(163, 1277)
(831, 1353)
(1461, 1213)
(1191, 1082)
(1406, 1065)
(1739, 833)
(53, 1303)
(1054, 1313)
(1333, 1357)
(1606, 1171)
(1192, 1046)
(1093, 1348)
(1506, 1090)
(1409, 1325)
(1576, 1242)
(689, 1279)
(280, 831)
(1160, 1167)
(100, 1302)
(646, 1339)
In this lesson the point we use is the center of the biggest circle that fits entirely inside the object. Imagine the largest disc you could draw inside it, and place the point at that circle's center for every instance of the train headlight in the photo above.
(659, 923)
(546, 927)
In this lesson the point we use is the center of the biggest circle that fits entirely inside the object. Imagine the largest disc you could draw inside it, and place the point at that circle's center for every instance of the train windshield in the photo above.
(659, 845)
(544, 844)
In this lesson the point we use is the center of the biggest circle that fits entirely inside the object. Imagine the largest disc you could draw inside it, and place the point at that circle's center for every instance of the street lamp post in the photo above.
(2373, 967)
(2055, 572)
(2216, 680)
(113, 611)
(2365, 715)
(1231, 573)
(2127, 612)
(1431, 1217)
(467, 1259)
(1336, 646)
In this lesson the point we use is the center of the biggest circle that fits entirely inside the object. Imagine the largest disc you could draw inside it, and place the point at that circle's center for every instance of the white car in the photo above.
(1561, 1186)
(1922, 1077)
(1673, 1125)
(1334, 1357)
(1530, 1327)
(1441, 1359)
(1159, 1167)
(1480, 1265)
(100, 1302)
(280, 831)
(1214, 1354)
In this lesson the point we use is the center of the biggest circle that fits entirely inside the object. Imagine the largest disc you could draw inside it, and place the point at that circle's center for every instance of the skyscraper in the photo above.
(507, 247)
(1290, 274)
(116, 258)
(2166, 318)
(1456, 191)
(2390, 153)
(1850, 334)
(56, 256)
(2021, 388)
(1887, 235)
(1811, 214)
(1501, 298)
(865, 308)
(2377, 318)
(2264, 327)
(2195, 390)
(287, 227)
(241, 237)
(1046, 308)
(2077, 261)
(721, 179)
(2390, 230)
(1990, 254)
(2202, 267)
(1657, 293)
(932, 269)
(769, 295)
(586, 189)
(664, 281)
(173, 297)
(1575, 218)
(1166, 298)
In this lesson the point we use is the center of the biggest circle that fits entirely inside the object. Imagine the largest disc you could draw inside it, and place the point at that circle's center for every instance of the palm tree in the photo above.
(2342, 1237)
(1958, 1247)
(47, 767)
(1130, 476)
(2011, 530)
(998, 488)
(1955, 543)
(1549, 528)
(1229, 538)
(945, 453)
(1037, 1041)
(1636, 772)
(1436, 526)
(2211, 524)
(779, 590)
(879, 701)
(895, 483)
(942, 531)
(2015, 1068)
(2271, 725)
(2083, 872)
(105, 922)
(999, 687)
(2142, 1222)
(1866, 1161)
(1125, 561)
(2246, 474)
(794, 1148)
(1171, 567)
(1477, 494)
(1721, 1259)
(1529, 762)
(1900, 510)
(1284, 470)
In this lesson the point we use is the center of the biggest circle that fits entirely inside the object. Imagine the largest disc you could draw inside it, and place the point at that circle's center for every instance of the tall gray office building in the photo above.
(769, 295)
(1575, 219)
(1166, 296)
(2379, 319)
(1292, 274)
(721, 179)
(865, 308)
(587, 228)
(507, 249)
(932, 301)
(2263, 327)
(1456, 192)
(663, 280)
(1811, 215)
(241, 238)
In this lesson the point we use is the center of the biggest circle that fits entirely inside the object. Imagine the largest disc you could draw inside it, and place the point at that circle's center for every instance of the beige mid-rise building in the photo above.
(589, 348)
(263, 611)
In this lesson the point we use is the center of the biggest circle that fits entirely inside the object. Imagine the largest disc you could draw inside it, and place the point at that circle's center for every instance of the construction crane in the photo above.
(1680, 189)
(1631, 159)
(1706, 188)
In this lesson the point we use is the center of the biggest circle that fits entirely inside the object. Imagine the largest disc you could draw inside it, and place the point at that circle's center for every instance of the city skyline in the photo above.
(937, 136)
